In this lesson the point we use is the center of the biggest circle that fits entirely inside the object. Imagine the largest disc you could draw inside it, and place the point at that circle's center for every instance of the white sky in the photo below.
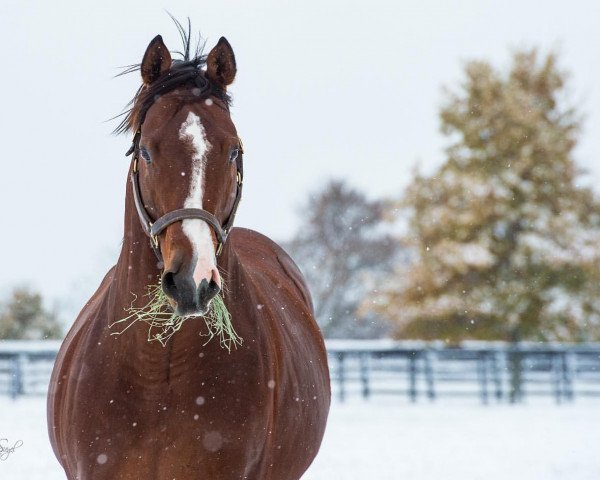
(324, 88)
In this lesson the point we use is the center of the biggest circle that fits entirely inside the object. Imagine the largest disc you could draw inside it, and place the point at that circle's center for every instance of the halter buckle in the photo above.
(154, 239)
(219, 249)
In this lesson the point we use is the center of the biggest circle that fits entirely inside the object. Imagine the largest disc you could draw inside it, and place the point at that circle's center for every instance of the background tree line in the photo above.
(501, 242)
(23, 316)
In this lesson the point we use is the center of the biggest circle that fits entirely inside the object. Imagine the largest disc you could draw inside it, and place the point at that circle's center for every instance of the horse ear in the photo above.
(220, 64)
(156, 61)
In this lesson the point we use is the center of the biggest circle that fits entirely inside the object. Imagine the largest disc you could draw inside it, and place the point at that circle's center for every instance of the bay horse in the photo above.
(123, 408)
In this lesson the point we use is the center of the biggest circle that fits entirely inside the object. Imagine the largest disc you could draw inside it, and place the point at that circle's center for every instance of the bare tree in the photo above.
(343, 248)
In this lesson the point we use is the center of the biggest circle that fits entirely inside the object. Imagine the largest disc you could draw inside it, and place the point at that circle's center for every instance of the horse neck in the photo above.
(137, 265)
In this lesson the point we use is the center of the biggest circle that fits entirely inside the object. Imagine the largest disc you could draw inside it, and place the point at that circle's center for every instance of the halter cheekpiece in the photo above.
(153, 228)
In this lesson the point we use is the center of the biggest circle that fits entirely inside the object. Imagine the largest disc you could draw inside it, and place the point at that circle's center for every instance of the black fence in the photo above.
(492, 372)
(25, 366)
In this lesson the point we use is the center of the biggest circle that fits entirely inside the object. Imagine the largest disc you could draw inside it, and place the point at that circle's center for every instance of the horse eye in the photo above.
(234, 154)
(145, 155)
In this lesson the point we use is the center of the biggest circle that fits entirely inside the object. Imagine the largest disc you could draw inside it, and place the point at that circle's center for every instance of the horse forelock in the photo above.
(186, 71)
(181, 74)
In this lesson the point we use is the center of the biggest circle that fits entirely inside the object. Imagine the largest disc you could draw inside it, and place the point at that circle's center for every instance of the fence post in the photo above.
(364, 375)
(496, 376)
(567, 374)
(412, 367)
(557, 374)
(482, 374)
(17, 364)
(341, 375)
(427, 357)
(515, 368)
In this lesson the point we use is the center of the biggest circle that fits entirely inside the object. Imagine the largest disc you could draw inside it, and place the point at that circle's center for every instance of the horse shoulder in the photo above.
(259, 254)
(276, 282)
(293, 346)
(59, 381)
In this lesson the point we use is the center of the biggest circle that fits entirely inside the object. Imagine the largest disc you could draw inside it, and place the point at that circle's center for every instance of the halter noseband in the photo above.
(154, 228)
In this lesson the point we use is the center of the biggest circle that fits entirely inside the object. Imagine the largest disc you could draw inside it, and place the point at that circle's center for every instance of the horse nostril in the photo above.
(214, 288)
(168, 284)
(207, 291)
(216, 278)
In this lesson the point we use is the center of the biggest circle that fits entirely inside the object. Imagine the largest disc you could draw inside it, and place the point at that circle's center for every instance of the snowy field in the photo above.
(386, 439)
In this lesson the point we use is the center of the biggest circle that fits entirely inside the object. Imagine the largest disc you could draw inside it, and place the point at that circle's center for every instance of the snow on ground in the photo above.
(387, 439)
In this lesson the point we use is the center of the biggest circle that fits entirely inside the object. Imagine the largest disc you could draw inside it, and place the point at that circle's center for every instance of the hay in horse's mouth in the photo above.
(163, 322)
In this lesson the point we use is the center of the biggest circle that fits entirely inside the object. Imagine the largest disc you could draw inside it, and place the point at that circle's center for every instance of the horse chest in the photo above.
(191, 427)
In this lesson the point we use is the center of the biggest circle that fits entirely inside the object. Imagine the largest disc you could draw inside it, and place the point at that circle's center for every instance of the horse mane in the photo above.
(185, 71)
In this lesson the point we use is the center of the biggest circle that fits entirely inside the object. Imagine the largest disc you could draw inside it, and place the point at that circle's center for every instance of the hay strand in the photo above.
(163, 323)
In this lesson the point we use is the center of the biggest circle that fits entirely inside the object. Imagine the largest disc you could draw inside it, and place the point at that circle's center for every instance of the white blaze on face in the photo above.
(198, 231)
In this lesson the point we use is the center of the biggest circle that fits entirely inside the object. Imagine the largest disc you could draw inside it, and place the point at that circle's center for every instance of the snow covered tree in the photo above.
(24, 317)
(506, 241)
(343, 249)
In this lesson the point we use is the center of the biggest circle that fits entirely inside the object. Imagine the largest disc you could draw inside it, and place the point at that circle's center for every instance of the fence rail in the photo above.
(493, 372)
(25, 366)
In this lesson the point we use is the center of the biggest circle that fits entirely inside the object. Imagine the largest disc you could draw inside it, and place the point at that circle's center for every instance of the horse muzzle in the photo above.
(187, 297)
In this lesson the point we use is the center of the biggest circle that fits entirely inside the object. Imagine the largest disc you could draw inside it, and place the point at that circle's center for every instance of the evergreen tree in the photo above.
(506, 241)
(24, 317)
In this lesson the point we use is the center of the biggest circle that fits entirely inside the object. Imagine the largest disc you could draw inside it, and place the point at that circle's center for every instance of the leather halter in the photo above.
(153, 228)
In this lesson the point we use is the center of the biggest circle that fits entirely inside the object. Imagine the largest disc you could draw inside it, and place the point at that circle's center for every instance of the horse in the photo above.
(123, 407)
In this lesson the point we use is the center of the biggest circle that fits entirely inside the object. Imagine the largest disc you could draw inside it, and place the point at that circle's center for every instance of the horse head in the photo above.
(186, 170)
